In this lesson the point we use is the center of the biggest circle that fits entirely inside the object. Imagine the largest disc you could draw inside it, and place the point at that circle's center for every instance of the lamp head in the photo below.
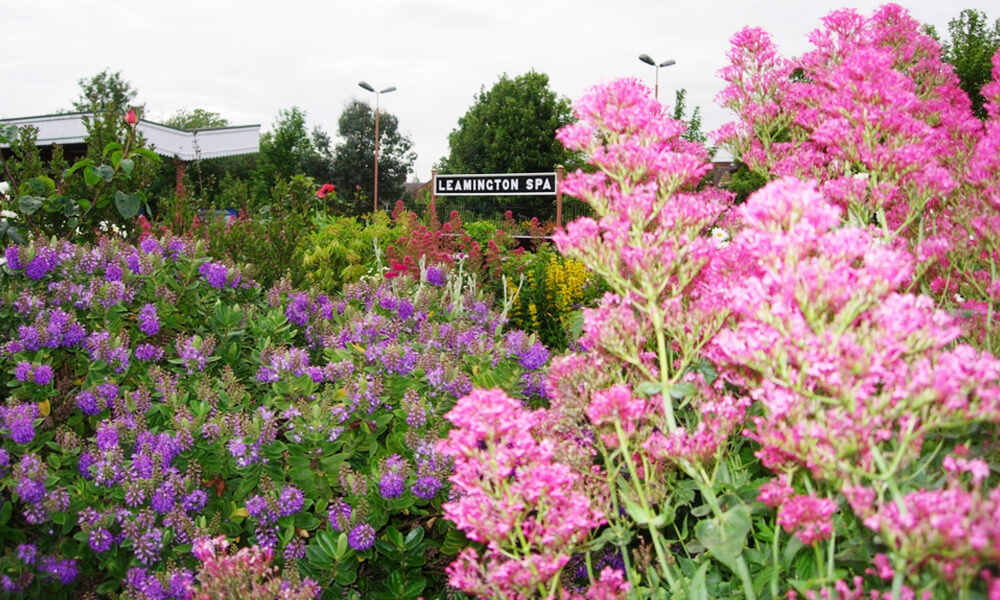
(668, 62)
(366, 86)
(646, 59)
(391, 88)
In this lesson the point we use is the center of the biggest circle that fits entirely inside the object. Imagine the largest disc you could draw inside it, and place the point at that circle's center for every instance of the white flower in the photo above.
(721, 236)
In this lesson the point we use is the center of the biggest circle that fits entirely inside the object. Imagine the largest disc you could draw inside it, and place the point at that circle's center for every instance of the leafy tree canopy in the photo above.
(970, 50)
(106, 92)
(289, 149)
(511, 129)
(198, 118)
(354, 160)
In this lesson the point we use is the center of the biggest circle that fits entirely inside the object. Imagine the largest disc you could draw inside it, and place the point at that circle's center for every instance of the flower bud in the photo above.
(131, 118)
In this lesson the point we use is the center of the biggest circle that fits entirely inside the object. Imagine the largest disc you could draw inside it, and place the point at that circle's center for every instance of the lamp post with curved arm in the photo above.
(649, 61)
(378, 93)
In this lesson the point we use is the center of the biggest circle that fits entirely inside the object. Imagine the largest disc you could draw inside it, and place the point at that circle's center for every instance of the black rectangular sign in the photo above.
(497, 184)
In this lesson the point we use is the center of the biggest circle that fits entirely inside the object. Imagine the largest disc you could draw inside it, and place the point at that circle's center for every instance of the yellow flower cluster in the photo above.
(565, 280)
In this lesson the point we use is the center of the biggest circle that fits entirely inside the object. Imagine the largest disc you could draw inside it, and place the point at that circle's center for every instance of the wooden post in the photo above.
(559, 178)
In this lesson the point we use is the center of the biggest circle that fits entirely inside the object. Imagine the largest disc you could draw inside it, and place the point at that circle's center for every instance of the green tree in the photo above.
(511, 129)
(198, 118)
(970, 50)
(104, 92)
(693, 132)
(354, 156)
(289, 149)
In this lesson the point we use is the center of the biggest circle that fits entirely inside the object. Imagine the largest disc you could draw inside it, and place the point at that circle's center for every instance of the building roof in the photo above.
(69, 128)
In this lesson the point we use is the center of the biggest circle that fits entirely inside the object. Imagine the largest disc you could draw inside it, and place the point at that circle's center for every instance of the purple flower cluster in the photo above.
(19, 419)
(215, 273)
(435, 276)
(194, 351)
(13, 257)
(53, 328)
(362, 537)
(148, 320)
(45, 260)
(38, 374)
(392, 483)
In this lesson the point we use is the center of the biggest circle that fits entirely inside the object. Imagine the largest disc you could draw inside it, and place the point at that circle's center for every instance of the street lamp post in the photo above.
(649, 61)
(377, 94)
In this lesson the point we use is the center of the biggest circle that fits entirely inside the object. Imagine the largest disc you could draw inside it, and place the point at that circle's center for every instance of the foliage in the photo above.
(342, 249)
(105, 92)
(288, 150)
(549, 293)
(972, 44)
(354, 156)
(693, 132)
(510, 128)
(198, 118)
(157, 399)
(270, 242)
(105, 190)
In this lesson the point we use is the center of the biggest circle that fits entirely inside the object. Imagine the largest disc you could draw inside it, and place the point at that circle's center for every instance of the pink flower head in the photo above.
(131, 118)
(808, 517)
(616, 404)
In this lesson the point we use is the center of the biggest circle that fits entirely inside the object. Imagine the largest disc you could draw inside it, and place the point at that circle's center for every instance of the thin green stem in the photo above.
(776, 557)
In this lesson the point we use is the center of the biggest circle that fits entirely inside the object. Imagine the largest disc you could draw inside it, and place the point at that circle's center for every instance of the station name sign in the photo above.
(497, 184)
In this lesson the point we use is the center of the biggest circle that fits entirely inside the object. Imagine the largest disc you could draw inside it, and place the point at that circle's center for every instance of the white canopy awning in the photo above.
(166, 141)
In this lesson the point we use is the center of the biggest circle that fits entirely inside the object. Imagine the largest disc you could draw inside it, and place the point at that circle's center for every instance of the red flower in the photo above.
(131, 118)
(391, 274)
(324, 189)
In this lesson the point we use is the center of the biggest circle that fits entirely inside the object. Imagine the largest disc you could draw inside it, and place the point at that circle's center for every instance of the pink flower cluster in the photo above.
(513, 496)
(247, 573)
(842, 361)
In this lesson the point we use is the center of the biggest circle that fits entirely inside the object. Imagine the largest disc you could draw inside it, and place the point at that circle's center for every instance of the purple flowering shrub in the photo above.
(156, 398)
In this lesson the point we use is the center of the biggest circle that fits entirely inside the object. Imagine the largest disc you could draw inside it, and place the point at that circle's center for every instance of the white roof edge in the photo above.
(166, 141)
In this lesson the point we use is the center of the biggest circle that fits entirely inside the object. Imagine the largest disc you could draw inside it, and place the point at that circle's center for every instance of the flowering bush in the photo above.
(157, 397)
(867, 409)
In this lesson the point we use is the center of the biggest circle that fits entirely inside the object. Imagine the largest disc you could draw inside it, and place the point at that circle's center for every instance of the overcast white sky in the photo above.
(247, 59)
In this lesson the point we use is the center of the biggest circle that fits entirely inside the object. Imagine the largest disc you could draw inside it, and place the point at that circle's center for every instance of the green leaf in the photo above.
(29, 205)
(699, 589)
(414, 586)
(127, 204)
(341, 546)
(90, 176)
(9, 133)
(147, 154)
(414, 538)
(725, 535)
(15, 235)
(648, 388)
(105, 172)
(682, 390)
(111, 146)
(127, 165)
(116, 158)
(347, 571)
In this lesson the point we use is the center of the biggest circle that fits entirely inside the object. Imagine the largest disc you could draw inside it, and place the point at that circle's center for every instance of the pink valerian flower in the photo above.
(807, 516)
(616, 405)
(246, 573)
(953, 530)
(877, 118)
(820, 319)
(510, 491)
